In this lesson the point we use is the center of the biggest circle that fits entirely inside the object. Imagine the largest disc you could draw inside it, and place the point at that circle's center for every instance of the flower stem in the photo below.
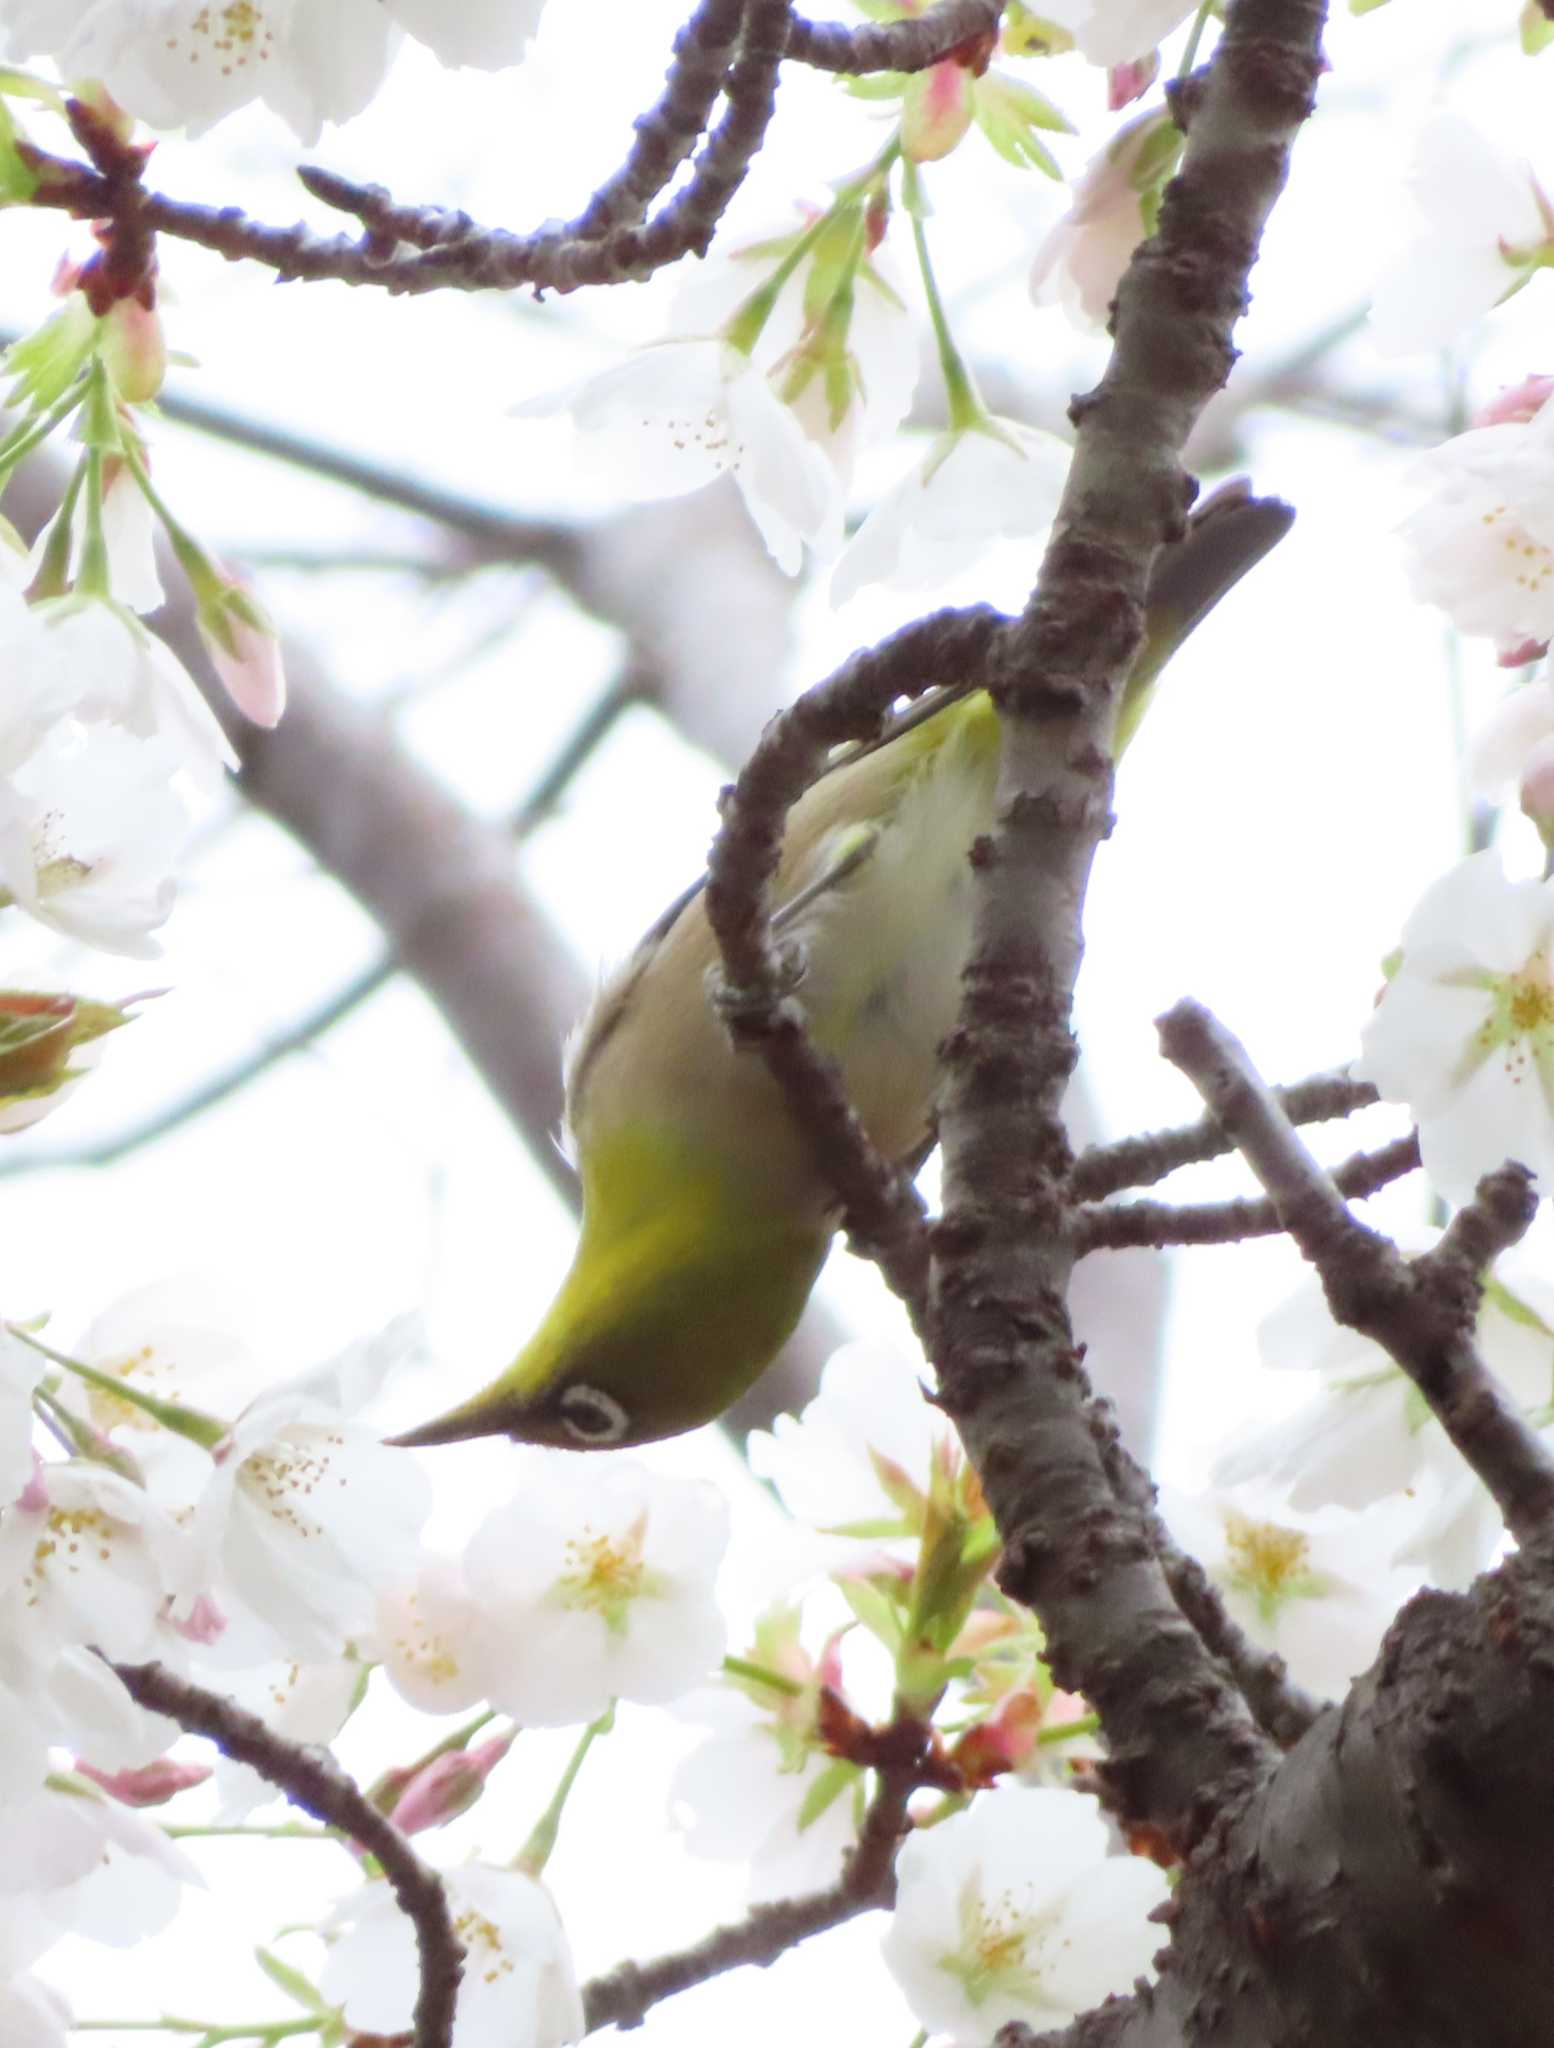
(535, 1853)
(965, 407)
(1194, 38)
(206, 1430)
(1068, 1731)
(281, 1831)
(757, 1674)
(210, 2031)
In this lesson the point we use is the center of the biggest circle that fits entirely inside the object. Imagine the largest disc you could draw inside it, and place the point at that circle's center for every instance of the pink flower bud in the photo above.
(936, 111)
(244, 652)
(135, 349)
(449, 1785)
(1128, 82)
(151, 1785)
(1515, 404)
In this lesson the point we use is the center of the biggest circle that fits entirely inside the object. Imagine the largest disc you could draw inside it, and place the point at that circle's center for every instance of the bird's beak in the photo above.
(459, 1425)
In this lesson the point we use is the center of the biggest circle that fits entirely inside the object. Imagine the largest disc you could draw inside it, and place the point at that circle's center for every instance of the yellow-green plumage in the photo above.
(705, 1221)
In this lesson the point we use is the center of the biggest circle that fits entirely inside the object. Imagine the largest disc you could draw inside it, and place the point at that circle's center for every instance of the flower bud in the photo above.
(448, 1786)
(134, 348)
(151, 1784)
(936, 111)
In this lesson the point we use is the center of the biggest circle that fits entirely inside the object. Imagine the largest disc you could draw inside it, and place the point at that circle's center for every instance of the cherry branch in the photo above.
(1421, 1313)
(910, 45)
(881, 1208)
(622, 1996)
(1183, 1745)
(1281, 1708)
(311, 1779)
(1139, 1162)
(1114, 1227)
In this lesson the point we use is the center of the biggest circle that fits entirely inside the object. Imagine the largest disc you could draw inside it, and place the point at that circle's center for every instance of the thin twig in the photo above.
(1116, 1226)
(455, 253)
(881, 1208)
(623, 1995)
(1280, 1706)
(1139, 1162)
(311, 1779)
(1423, 1315)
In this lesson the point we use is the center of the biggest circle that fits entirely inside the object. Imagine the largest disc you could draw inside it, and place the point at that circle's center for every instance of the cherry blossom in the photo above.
(305, 1513)
(91, 832)
(1116, 32)
(676, 415)
(32, 2015)
(993, 479)
(1317, 1585)
(186, 63)
(21, 1368)
(1015, 1911)
(96, 662)
(1366, 1431)
(92, 1563)
(427, 1637)
(844, 360)
(518, 1988)
(1480, 543)
(763, 1789)
(1484, 226)
(1080, 263)
(1464, 1032)
(786, 1810)
(594, 1587)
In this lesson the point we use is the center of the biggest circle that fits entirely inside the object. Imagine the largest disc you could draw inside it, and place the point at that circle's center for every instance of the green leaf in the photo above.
(874, 1609)
(1498, 1295)
(292, 1982)
(47, 362)
(833, 1781)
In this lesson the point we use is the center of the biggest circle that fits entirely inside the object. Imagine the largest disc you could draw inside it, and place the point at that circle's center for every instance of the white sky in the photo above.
(1293, 792)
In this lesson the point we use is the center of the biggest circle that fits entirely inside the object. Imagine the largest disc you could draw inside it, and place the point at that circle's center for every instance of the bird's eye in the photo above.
(593, 1418)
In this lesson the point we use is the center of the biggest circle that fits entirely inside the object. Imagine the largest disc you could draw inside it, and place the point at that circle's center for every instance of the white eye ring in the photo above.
(593, 1418)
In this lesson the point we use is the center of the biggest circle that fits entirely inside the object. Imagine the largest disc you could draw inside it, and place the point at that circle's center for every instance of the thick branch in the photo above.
(1423, 1314)
(1115, 1227)
(910, 45)
(311, 1779)
(1010, 1370)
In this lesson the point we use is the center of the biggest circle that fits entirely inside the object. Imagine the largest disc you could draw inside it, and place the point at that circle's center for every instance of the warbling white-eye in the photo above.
(705, 1219)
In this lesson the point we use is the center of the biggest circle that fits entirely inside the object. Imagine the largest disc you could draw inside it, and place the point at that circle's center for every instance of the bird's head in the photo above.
(645, 1340)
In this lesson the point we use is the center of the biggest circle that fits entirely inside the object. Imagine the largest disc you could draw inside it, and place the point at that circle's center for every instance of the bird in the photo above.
(705, 1217)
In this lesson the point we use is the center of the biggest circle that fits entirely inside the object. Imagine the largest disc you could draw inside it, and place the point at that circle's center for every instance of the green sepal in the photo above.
(833, 1781)
(1009, 112)
(879, 1614)
(1536, 29)
(879, 85)
(292, 1982)
(47, 362)
(22, 85)
(18, 181)
(38, 1034)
